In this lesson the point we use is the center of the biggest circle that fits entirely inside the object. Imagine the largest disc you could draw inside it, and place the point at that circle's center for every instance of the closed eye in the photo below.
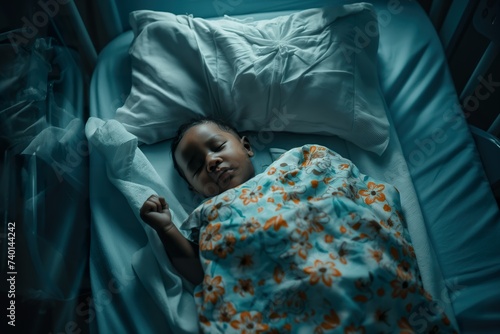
(197, 170)
(220, 147)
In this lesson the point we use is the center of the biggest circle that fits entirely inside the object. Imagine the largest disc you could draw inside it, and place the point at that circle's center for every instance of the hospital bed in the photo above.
(431, 158)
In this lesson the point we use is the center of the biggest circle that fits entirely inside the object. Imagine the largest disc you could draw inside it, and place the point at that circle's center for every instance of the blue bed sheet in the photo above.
(460, 212)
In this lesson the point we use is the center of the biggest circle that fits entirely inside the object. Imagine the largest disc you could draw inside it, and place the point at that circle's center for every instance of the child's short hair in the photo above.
(194, 122)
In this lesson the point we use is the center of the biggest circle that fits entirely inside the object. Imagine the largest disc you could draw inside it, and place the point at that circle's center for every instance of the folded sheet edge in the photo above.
(132, 174)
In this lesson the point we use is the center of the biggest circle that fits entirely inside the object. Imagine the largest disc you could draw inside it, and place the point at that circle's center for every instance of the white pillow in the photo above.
(313, 71)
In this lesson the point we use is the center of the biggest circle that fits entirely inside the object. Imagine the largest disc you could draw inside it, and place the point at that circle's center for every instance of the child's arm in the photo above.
(182, 253)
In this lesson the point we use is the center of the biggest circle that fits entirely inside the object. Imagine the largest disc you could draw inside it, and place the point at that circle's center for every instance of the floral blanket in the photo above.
(311, 245)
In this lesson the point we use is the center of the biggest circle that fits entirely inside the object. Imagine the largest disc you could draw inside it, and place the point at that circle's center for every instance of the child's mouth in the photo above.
(224, 177)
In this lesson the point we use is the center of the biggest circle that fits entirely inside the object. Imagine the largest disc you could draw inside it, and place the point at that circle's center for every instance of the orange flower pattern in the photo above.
(310, 243)
(373, 193)
(323, 272)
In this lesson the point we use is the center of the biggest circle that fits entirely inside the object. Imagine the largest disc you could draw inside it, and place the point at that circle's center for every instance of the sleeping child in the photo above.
(310, 245)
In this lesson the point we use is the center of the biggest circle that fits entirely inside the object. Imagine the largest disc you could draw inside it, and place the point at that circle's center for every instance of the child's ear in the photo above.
(246, 144)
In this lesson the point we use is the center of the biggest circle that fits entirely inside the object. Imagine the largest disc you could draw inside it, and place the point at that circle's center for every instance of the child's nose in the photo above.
(212, 162)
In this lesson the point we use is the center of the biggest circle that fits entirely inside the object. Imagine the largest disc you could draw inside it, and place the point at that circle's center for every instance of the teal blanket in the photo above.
(311, 245)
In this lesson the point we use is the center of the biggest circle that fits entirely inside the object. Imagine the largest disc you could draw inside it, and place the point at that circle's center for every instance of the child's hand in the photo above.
(156, 214)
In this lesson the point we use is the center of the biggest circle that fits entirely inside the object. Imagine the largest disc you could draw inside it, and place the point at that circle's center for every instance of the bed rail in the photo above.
(465, 20)
(489, 150)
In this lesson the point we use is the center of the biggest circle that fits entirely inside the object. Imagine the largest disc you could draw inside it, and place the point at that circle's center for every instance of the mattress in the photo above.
(431, 158)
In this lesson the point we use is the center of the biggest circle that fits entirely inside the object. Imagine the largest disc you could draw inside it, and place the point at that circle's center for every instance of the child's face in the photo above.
(214, 160)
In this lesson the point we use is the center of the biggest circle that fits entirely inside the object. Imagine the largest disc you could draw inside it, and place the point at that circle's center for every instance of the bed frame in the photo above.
(91, 25)
(452, 251)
